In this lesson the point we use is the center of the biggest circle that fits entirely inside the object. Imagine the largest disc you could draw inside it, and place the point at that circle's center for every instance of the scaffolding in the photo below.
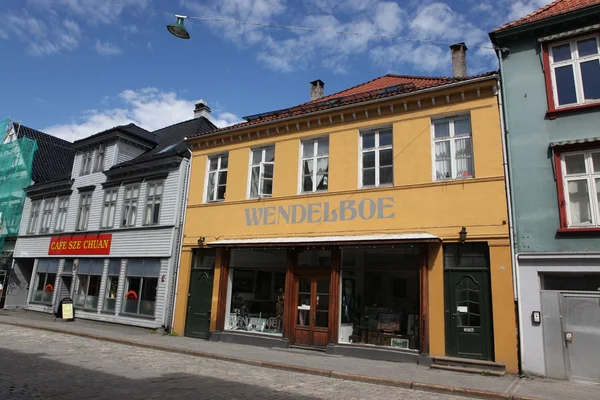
(16, 167)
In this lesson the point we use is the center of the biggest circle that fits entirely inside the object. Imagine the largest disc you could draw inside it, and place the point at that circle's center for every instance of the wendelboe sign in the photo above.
(345, 210)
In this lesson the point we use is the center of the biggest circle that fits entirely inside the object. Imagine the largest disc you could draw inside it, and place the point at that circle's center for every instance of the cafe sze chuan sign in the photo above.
(83, 244)
(345, 210)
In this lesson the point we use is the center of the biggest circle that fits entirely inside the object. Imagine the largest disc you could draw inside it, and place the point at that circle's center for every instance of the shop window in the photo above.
(216, 185)
(261, 172)
(83, 213)
(61, 214)
(154, 194)
(130, 205)
(87, 287)
(377, 158)
(315, 165)
(34, 215)
(109, 208)
(47, 215)
(141, 286)
(112, 285)
(45, 280)
(256, 291)
(380, 297)
(587, 282)
(452, 148)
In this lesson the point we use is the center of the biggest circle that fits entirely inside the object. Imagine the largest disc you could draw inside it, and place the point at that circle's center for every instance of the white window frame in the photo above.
(590, 176)
(34, 216)
(83, 211)
(314, 159)
(99, 158)
(127, 206)
(261, 165)
(217, 172)
(153, 201)
(87, 158)
(452, 138)
(47, 212)
(111, 196)
(62, 209)
(377, 149)
(575, 61)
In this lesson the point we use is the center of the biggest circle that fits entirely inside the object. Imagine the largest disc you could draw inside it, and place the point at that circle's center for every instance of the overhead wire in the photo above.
(294, 27)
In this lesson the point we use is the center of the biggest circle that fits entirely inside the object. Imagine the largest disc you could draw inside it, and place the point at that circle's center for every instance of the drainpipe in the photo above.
(506, 155)
(181, 232)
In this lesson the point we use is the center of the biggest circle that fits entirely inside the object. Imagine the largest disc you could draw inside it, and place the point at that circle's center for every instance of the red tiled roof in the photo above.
(553, 9)
(370, 90)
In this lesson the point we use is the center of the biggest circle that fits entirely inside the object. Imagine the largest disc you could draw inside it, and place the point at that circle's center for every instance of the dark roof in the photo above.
(53, 158)
(378, 88)
(170, 140)
(558, 7)
(131, 129)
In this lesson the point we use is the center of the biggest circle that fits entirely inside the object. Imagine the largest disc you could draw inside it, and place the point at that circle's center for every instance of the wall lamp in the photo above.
(201, 240)
(462, 235)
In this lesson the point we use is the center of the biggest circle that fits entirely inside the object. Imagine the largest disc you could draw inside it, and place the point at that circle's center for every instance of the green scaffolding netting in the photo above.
(16, 165)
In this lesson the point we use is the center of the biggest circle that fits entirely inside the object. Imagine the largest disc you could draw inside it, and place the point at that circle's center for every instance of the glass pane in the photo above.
(322, 319)
(462, 126)
(270, 154)
(369, 159)
(565, 85)
(587, 47)
(323, 286)
(443, 161)
(268, 171)
(223, 178)
(590, 75)
(307, 167)
(323, 302)
(256, 157)
(255, 173)
(303, 317)
(307, 184)
(322, 164)
(386, 175)
(322, 180)
(148, 296)
(211, 186)
(386, 157)
(224, 161)
(130, 301)
(464, 158)
(441, 129)
(561, 53)
(579, 202)
(156, 211)
(385, 138)
(304, 287)
(368, 140)
(267, 188)
(220, 192)
(151, 189)
(369, 177)
(308, 148)
(575, 164)
(323, 147)
(596, 161)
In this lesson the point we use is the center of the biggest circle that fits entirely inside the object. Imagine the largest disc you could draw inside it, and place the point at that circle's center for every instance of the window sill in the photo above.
(39, 303)
(463, 178)
(578, 231)
(376, 186)
(552, 114)
(152, 317)
(95, 310)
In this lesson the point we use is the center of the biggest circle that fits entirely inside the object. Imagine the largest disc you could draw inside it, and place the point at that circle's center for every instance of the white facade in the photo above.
(159, 241)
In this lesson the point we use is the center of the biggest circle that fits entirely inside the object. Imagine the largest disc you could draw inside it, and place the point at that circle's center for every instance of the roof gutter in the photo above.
(493, 77)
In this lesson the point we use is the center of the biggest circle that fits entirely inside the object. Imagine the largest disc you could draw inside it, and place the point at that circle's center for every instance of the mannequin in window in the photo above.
(279, 308)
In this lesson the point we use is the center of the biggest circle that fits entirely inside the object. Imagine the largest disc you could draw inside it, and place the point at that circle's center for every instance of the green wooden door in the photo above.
(468, 314)
(197, 322)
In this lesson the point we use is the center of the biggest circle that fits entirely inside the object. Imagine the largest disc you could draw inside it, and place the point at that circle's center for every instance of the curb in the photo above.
(426, 387)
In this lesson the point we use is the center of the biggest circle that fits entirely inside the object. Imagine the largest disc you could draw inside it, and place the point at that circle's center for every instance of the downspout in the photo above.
(181, 232)
(506, 155)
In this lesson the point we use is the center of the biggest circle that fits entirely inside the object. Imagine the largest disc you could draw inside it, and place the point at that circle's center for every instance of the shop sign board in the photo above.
(318, 212)
(94, 244)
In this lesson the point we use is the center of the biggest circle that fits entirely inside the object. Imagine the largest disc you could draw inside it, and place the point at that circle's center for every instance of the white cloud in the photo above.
(107, 49)
(430, 58)
(522, 8)
(148, 108)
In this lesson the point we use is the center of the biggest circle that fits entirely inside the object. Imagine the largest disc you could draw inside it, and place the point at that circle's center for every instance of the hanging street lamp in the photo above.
(178, 29)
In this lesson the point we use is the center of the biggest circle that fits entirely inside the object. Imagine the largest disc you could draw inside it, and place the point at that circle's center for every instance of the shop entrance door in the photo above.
(312, 312)
(581, 330)
(197, 322)
(468, 325)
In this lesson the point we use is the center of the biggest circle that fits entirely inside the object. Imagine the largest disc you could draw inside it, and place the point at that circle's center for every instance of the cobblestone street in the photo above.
(44, 365)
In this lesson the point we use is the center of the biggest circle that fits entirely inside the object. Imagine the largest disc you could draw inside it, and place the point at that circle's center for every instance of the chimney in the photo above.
(316, 89)
(201, 110)
(459, 60)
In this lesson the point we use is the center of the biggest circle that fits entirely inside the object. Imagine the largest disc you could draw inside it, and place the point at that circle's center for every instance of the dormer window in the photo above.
(86, 162)
(99, 159)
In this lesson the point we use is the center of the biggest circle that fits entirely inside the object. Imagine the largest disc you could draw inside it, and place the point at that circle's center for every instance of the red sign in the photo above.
(83, 244)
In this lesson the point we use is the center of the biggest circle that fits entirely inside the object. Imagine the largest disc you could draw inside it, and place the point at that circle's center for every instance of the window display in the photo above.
(87, 289)
(256, 291)
(45, 280)
(380, 297)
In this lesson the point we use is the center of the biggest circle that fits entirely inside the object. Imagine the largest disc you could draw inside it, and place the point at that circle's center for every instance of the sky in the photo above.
(73, 68)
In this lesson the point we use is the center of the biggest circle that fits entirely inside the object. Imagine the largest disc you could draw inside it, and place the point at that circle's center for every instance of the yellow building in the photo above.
(368, 220)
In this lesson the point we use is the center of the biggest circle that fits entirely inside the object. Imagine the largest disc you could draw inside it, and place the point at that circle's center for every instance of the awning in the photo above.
(327, 240)
(566, 34)
(575, 141)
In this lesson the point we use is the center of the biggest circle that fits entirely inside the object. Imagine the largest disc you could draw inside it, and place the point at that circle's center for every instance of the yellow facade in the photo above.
(418, 203)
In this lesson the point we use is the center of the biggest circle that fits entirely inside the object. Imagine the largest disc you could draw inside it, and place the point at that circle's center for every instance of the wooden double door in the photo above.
(312, 310)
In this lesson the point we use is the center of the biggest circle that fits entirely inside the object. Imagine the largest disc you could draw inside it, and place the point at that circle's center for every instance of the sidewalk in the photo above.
(388, 373)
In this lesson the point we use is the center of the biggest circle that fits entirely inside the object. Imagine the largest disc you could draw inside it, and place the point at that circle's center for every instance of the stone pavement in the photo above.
(389, 373)
(50, 365)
